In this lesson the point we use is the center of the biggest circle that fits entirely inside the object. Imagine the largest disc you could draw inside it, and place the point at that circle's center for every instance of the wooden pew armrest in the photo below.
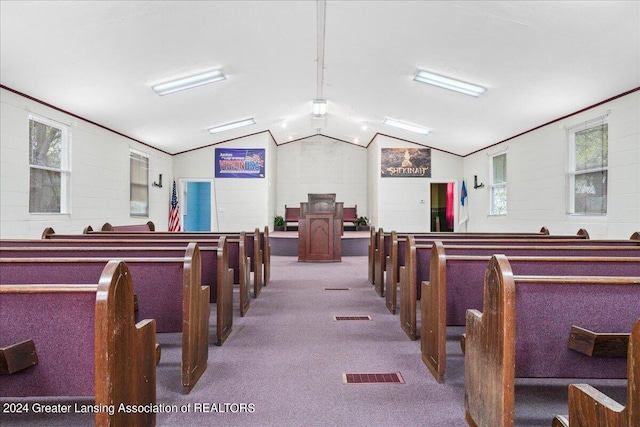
(17, 357)
(586, 401)
(596, 344)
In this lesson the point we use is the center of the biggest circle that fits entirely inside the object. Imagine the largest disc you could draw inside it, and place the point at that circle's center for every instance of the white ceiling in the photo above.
(538, 60)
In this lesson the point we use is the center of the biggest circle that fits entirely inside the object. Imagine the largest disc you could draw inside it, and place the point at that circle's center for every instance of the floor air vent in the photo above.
(336, 318)
(336, 289)
(372, 378)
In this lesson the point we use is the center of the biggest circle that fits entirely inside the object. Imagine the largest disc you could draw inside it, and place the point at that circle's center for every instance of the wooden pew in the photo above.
(371, 251)
(418, 256)
(87, 344)
(252, 242)
(397, 253)
(457, 283)
(350, 214)
(148, 226)
(208, 250)
(524, 328)
(384, 245)
(291, 215)
(168, 289)
(265, 246)
(590, 407)
(260, 265)
(380, 245)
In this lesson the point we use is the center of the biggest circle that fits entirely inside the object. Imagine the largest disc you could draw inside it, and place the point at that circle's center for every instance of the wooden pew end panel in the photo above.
(590, 404)
(596, 344)
(17, 357)
(47, 232)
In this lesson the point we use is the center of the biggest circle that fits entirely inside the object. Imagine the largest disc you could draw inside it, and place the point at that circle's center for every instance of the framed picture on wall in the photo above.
(405, 162)
(239, 162)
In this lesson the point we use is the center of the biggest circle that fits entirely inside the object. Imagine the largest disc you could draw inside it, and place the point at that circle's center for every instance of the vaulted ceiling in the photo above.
(538, 60)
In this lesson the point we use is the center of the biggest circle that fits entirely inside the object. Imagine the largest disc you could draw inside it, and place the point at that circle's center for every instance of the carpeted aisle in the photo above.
(287, 357)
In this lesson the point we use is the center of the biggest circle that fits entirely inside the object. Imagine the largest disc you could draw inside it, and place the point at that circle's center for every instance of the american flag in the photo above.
(174, 213)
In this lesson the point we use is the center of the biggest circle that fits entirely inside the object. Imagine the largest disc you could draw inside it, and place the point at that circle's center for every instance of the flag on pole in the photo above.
(174, 212)
(464, 214)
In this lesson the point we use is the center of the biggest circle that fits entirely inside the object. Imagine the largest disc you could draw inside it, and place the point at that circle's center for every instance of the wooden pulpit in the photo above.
(320, 229)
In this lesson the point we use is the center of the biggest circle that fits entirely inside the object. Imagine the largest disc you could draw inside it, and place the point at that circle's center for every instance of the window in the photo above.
(587, 177)
(498, 185)
(139, 184)
(48, 166)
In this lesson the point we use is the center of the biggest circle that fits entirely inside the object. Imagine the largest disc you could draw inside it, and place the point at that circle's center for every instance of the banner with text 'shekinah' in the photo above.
(239, 163)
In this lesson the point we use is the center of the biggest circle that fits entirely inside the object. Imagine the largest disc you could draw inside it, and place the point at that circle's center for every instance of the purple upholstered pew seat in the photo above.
(77, 330)
(252, 248)
(456, 285)
(157, 281)
(168, 289)
(420, 256)
(62, 325)
(524, 328)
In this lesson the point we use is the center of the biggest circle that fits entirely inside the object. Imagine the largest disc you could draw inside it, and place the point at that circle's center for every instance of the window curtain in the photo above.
(449, 211)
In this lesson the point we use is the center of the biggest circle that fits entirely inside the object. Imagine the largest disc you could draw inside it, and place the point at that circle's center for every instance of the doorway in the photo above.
(196, 208)
(442, 207)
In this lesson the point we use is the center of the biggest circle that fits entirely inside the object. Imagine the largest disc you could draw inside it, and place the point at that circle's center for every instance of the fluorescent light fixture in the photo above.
(407, 126)
(448, 83)
(319, 107)
(188, 82)
(232, 125)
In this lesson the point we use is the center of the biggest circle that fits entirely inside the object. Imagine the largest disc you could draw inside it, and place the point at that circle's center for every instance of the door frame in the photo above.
(182, 183)
(456, 200)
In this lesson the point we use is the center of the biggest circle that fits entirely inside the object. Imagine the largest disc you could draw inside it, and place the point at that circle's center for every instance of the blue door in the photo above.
(197, 215)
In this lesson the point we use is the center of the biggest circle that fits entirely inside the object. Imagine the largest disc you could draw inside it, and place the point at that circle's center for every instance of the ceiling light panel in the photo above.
(188, 82)
(407, 126)
(449, 83)
(319, 107)
(232, 125)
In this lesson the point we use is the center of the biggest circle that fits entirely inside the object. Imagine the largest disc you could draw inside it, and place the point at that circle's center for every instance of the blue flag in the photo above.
(464, 214)
(463, 194)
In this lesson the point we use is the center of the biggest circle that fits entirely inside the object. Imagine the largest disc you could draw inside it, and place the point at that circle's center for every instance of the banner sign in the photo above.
(239, 163)
(405, 162)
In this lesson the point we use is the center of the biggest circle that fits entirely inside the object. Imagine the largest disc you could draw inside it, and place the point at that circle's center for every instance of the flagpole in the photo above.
(174, 211)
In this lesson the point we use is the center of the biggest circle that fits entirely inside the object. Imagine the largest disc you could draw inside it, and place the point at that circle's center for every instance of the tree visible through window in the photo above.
(49, 175)
(588, 169)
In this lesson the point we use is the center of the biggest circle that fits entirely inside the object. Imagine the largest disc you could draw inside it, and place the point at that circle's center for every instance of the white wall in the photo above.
(322, 165)
(403, 204)
(536, 163)
(241, 204)
(99, 175)
(536, 178)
